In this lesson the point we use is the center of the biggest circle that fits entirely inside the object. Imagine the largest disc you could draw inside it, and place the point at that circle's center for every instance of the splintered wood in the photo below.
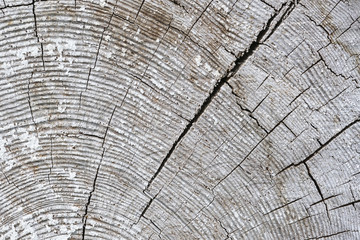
(179, 119)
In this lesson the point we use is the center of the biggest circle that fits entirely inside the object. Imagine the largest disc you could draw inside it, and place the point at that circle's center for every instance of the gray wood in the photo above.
(179, 119)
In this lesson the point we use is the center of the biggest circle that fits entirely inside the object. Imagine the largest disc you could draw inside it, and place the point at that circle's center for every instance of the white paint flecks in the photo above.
(197, 60)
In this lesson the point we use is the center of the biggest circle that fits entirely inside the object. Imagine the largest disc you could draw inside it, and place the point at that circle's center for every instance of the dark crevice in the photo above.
(331, 11)
(328, 101)
(311, 66)
(285, 168)
(263, 81)
(321, 147)
(137, 14)
(287, 55)
(250, 152)
(328, 142)
(347, 29)
(204, 48)
(108, 125)
(290, 130)
(42, 55)
(202, 13)
(20, 5)
(91, 135)
(287, 204)
(330, 235)
(353, 196)
(318, 190)
(199, 212)
(322, 200)
(232, 7)
(320, 26)
(250, 113)
(177, 3)
(8, 181)
(29, 101)
(332, 71)
(262, 100)
(225, 230)
(146, 208)
(157, 48)
(287, 12)
(96, 58)
(347, 204)
(301, 93)
(84, 218)
(229, 51)
(268, 4)
(36, 33)
(156, 226)
(98, 50)
(241, 59)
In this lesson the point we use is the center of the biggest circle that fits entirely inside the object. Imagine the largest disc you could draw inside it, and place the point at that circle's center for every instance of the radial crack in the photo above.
(98, 50)
(310, 156)
(318, 189)
(84, 218)
(347, 204)
(137, 14)
(286, 204)
(36, 33)
(250, 112)
(241, 59)
(146, 208)
(330, 235)
(29, 101)
(253, 149)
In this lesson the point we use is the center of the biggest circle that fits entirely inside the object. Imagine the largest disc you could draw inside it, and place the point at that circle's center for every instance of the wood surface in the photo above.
(179, 119)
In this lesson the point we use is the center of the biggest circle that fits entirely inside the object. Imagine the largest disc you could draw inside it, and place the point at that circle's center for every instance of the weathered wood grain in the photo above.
(178, 119)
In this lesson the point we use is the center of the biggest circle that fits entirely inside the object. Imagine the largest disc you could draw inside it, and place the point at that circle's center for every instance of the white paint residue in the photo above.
(9, 164)
(31, 140)
(50, 48)
(102, 3)
(216, 73)
(7, 66)
(198, 60)
(51, 219)
(23, 226)
(64, 237)
(123, 52)
(61, 106)
(34, 51)
(2, 148)
(60, 48)
(224, 7)
(71, 44)
(207, 67)
(108, 54)
(72, 175)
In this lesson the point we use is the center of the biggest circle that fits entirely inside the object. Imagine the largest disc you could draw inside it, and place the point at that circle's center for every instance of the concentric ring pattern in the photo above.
(179, 119)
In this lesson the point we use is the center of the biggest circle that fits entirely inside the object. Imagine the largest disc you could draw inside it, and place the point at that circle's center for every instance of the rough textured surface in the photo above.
(179, 119)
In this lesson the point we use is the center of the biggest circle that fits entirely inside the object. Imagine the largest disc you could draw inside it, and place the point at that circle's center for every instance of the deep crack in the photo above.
(241, 59)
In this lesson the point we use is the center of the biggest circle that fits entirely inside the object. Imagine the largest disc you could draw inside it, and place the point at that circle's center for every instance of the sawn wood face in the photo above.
(179, 119)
